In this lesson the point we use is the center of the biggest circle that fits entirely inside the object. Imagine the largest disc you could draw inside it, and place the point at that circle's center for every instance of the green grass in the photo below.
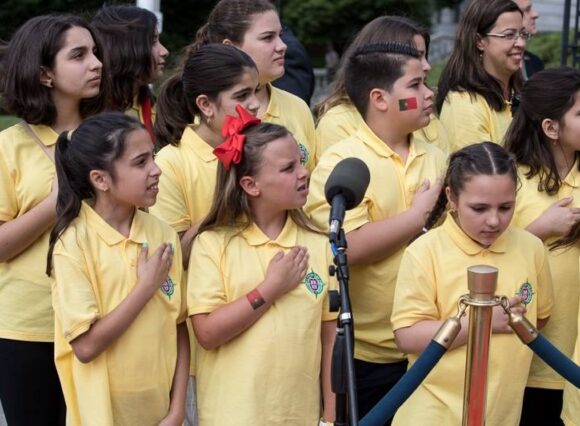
(7, 121)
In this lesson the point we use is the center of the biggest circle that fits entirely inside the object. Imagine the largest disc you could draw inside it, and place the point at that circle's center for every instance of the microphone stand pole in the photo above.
(343, 351)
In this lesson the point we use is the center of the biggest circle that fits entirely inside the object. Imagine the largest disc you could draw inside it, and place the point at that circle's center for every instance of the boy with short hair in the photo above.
(385, 82)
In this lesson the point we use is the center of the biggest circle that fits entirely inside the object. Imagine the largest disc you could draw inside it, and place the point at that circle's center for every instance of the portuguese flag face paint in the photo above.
(407, 104)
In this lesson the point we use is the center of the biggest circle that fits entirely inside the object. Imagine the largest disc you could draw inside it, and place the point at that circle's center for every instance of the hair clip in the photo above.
(230, 151)
(393, 47)
(69, 135)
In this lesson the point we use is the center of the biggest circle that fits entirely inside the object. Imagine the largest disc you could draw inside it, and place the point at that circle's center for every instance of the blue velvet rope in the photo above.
(389, 404)
(556, 359)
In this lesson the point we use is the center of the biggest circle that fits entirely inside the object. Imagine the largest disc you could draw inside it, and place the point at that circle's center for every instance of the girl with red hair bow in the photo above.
(258, 287)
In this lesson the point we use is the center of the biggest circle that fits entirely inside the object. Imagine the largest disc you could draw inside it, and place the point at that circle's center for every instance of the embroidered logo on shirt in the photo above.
(304, 154)
(526, 292)
(314, 283)
(168, 288)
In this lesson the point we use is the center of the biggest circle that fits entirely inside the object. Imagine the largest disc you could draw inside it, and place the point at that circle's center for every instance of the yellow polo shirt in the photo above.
(561, 330)
(186, 189)
(342, 121)
(571, 409)
(292, 112)
(269, 374)
(26, 176)
(95, 268)
(391, 190)
(432, 277)
(469, 119)
(187, 183)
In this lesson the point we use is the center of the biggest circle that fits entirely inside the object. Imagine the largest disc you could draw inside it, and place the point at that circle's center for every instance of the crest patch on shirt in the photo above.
(526, 292)
(304, 154)
(314, 283)
(168, 288)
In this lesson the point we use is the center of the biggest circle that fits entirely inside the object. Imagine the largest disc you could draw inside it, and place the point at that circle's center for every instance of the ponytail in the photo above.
(95, 145)
(202, 37)
(208, 70)
(68, 202)
(173, 112)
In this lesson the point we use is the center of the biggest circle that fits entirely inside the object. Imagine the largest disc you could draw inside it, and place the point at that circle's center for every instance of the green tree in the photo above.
(318, 21)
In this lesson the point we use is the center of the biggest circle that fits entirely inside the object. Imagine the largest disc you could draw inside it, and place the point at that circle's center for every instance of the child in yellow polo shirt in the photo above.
(394, 103)
(192, 107)
(258, 286)
(254, 26)
(545, 139)
(134, 59)
(338, 118)
(50, 77)
(121, 345)
(480, 188)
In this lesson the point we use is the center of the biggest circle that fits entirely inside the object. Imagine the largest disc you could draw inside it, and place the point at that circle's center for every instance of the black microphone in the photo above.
(344, 190)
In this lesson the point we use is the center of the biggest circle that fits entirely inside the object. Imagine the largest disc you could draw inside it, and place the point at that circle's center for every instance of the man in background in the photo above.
(532, 63)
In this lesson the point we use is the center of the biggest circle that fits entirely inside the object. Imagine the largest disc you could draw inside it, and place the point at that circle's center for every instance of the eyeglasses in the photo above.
(511, 35)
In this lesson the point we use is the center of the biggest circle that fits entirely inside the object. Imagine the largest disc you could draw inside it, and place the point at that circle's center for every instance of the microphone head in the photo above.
(350, 177)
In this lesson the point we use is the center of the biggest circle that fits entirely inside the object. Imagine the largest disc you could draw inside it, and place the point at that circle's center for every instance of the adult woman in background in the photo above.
(483, 75)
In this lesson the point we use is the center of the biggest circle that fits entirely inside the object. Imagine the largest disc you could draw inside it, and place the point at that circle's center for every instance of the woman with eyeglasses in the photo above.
(479, 84)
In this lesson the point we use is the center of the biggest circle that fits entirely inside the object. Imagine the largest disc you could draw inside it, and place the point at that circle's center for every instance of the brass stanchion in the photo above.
(482, 283)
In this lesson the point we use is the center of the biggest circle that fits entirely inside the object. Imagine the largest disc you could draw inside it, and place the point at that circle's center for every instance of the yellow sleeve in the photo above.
(8, 201)
(312, 139)
(176, 274)
(318, 209)
(205, 281)
(415, 293)
(329, 131)
(171, 201)
(466, 120)
(545, 293)
(73, 297)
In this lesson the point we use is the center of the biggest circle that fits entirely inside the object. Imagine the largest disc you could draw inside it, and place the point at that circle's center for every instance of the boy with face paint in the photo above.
(385, 82)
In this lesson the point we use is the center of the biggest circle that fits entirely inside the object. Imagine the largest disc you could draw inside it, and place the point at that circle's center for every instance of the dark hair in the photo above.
(485, 158)
(230, 206)
(547, 94)
(464, 71)
(230, 19)
(379, 30)
(375, 65)
(127, 33)
(209, 70)
(94, 145)
(34, 46)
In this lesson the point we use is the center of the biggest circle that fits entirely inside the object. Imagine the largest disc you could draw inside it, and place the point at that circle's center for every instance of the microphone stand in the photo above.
(343, 351)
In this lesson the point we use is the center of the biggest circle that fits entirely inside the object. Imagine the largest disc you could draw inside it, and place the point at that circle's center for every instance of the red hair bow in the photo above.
(230, 151)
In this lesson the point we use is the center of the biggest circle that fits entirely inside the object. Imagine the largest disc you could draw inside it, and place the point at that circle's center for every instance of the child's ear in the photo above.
(551, 128)
(451, 199)
(45, 77)
(249, 185)
(100, 180)
(229, 42)
(379, 99)
(205, 106)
